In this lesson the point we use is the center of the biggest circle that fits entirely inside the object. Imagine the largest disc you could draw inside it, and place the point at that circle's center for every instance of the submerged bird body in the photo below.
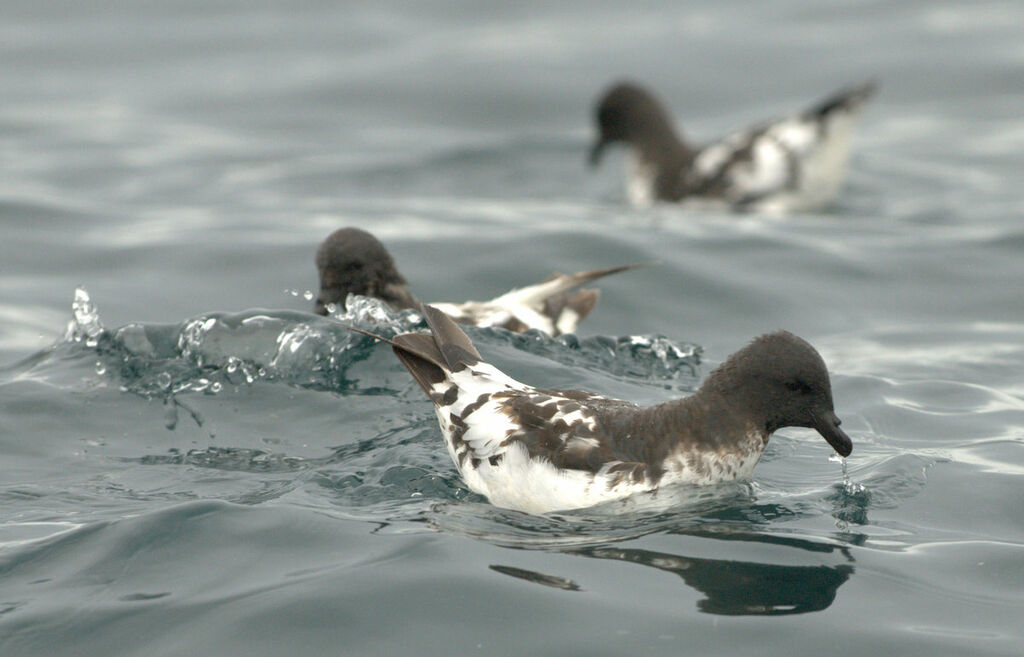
(539, 450)
(352, 261)
(797, 163)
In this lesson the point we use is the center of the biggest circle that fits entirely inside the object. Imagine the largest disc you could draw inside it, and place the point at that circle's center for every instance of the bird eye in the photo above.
(798, 386)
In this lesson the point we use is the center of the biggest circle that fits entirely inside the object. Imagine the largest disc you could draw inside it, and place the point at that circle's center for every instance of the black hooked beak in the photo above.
(827, 424)
(596, 151)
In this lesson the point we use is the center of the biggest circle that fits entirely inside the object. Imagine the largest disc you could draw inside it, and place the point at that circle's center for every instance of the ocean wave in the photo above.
(203, 354)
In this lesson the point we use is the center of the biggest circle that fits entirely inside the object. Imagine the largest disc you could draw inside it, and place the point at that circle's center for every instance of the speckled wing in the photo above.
(745, 166)
(521, 447)
(568, 428)
(802, 157)
(546, 306)
(530, 449)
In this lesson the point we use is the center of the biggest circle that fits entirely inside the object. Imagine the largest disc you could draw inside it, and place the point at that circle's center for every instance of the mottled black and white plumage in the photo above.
(540, 450)
(352, 261)
(797, 163)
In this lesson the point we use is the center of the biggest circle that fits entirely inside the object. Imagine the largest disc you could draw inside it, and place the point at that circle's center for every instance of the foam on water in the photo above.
(399, 470)
(397, 473)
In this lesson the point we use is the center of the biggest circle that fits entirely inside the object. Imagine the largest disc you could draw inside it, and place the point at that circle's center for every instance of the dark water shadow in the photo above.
(740, 588)
(555, 582)
(735, 587)
(730, 587)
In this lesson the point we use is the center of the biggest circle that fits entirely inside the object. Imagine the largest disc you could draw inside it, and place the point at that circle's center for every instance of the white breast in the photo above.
(639, 179)
(702, 468)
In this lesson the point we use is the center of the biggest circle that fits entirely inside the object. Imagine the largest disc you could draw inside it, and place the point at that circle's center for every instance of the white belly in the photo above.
(640, 176)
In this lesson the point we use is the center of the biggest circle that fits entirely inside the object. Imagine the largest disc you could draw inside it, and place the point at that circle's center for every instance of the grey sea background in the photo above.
(192, 464)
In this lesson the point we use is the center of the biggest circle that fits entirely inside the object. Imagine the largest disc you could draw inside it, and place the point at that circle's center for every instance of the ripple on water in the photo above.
(391, 465)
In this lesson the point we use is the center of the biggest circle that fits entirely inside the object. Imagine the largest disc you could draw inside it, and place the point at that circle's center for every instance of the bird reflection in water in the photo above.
(737, 588)
(731, 587)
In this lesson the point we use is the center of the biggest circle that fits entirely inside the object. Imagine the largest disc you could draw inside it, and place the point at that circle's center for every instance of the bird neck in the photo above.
(706, 420)
(660, 143)
(659, 158)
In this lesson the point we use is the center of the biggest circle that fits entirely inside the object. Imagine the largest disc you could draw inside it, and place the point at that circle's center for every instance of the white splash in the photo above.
(849, 487)
(85, 325)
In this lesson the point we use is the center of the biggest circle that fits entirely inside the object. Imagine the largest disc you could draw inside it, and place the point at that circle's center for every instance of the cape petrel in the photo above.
(352, 261)
(797, 163)
(540, 450)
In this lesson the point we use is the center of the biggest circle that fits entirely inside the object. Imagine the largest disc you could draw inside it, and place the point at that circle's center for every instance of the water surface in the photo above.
(191, 463)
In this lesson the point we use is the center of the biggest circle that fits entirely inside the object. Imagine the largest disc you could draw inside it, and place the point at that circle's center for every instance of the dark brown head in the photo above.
(781, 381)
(631, 114)
(352, 261)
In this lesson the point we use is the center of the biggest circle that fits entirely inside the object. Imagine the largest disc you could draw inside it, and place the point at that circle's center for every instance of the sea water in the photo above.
(191, 463)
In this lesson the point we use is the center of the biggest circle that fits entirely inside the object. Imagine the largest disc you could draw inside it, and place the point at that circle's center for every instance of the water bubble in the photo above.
(305, 294)
(191, 338)
(365, 310)
(163, 379)
(101, 369)
(170, 414)
(85, 322)
(216, 387)
(849, 487)
(291, 341)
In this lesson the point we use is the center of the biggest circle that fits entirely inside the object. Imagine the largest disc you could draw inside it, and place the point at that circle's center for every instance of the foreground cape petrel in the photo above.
(352, 261)
(797, 163)
(540, 450)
